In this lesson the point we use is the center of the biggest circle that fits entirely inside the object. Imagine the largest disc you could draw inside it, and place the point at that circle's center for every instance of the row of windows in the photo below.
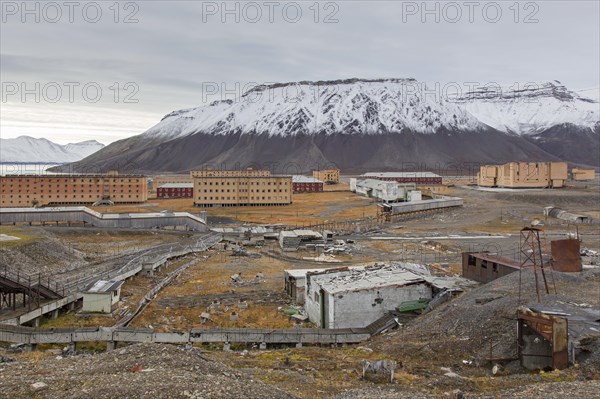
(66, 186)
(51, 180)
(308, 189)
(281, 198)
(243, 190)
(64, 196)
(49, 191)
(244, 183)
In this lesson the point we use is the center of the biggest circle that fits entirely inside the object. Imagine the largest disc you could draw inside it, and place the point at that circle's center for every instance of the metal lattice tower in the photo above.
(534, 254)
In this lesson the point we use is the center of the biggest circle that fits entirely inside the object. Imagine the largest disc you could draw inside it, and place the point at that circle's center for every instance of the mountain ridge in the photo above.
(269, 122)
(27, 149)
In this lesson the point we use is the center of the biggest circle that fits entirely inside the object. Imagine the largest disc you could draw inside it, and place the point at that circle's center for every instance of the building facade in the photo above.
(524, 175)
(419, 178)
(305, 184)
(485, 267)
(158, 181)
(355, 298)
(230, 173)
(241, 188)
(43, 190)
(384, 191)
(102, 296)
(329, 176)
(583, 174)
(175, 190)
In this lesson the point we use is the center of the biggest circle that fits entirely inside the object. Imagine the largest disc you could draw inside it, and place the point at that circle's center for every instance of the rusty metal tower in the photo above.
(534, 254)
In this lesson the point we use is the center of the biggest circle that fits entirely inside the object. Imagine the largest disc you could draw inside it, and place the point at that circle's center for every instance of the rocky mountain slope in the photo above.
(363, 125)
(31, 150)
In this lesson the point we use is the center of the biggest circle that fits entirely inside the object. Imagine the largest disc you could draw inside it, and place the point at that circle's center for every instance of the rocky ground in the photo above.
(557, 390)
(137, 371)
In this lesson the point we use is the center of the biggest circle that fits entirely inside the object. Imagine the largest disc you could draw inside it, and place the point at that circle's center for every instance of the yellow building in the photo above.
(42, 190)
(583, 174)
(241, 188)
(487, 176)
(327, 176)
(523, 175)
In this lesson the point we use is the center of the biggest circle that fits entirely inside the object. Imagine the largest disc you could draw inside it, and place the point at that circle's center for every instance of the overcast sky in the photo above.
(121, 69)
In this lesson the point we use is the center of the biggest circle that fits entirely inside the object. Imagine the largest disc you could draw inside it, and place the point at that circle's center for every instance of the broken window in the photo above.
(471, 261)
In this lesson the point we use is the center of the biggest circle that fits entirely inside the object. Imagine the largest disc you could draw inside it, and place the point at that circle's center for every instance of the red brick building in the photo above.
(175, 190)
(305, 184)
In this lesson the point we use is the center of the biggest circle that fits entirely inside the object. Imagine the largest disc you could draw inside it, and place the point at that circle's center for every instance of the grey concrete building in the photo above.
(353, 298)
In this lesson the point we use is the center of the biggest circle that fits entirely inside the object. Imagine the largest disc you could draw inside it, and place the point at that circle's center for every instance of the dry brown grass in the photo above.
(309, 208)
(25, 236)
(209, 280)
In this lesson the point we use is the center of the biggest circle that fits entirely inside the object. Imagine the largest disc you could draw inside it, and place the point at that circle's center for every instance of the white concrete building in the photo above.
(101, 296)
(295, 281)
(385, 191)
(354, 298)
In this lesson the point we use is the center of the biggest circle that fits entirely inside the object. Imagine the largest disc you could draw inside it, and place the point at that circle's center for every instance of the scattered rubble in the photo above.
(556, 390)
(141, 370)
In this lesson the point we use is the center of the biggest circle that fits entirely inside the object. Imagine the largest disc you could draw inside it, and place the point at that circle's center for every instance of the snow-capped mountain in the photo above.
(530, 109)
(382, 106)
(349, 106)
(32, 150)
(360, 124)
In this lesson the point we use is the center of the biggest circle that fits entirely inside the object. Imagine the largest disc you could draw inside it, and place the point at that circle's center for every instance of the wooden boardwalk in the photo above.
(111, 335)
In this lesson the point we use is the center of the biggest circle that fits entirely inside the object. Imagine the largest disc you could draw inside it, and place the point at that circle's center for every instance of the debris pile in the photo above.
(292, 240)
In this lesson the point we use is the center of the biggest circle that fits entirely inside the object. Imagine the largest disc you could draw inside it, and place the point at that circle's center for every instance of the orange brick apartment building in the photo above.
(240, 188)
(42, 190)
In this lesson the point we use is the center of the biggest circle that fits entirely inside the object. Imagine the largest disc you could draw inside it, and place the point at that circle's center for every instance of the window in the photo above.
(471, 261)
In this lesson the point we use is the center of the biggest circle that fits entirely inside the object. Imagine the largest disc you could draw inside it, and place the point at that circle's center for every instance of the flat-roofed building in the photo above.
(487, 176)
(485, 267)
(384, 191)
(305, 184)
(419, 178)
(241, 188)
(328, 176)
(583, 174)
(102, 296)
(524, 175)
(176, 190)
(158, 181)
(356, 297)
(42, 190)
